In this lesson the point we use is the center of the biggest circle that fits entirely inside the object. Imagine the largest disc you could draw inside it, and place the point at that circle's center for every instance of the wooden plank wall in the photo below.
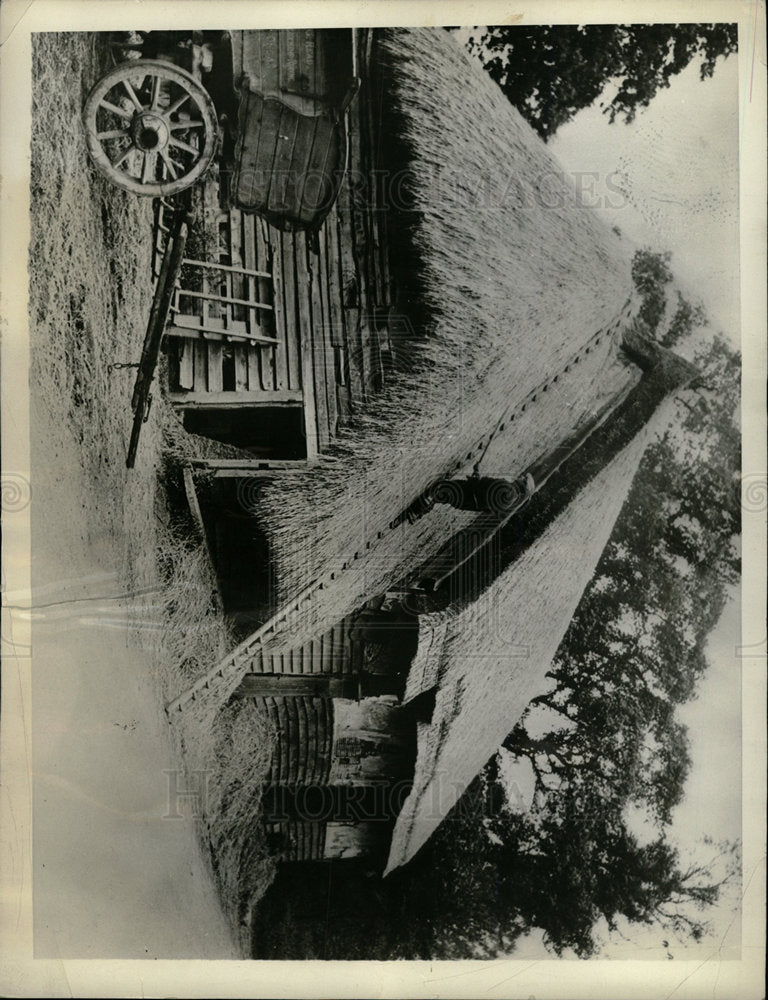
(303, 750)
(297, 840)
(285, 64)
(335, 652)
(218, 361)
(348, 282)
(329, 297)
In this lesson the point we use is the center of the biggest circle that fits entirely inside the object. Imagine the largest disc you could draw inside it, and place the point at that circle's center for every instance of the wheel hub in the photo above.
(131, 133)
(149, 131)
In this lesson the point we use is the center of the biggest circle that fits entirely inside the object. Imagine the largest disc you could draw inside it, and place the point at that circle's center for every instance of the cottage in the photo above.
(278, 324)
(416, 612)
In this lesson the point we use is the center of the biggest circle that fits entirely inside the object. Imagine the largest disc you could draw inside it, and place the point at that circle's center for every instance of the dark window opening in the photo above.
(263, 431)
(228, 370)
(240, 551)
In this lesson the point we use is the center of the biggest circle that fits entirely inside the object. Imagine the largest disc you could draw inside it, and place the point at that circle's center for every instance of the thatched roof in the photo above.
(488, 656)
(515, 278)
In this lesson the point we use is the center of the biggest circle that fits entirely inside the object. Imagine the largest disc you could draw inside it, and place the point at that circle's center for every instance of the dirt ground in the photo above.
(122, 590)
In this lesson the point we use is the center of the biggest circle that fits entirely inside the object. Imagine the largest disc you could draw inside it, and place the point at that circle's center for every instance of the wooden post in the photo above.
(214, 333)
(252, 397)
(197, 516)
(247, 271)
(351, 686)
(309, 685)
(158, 316)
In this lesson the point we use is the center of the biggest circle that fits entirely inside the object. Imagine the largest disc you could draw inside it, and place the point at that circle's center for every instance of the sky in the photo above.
(669, 181)
(676, 171)
(677, 168)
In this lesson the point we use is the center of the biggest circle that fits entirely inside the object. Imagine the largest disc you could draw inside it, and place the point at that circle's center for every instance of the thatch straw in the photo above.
(510, 287)
(488, 654)
(497, 650)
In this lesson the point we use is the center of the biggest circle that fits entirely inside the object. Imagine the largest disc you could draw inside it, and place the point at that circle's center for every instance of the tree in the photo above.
(606, 736)
(551, 72)
(576, 864)
(651, 274)
(686, 318)
(568, 867)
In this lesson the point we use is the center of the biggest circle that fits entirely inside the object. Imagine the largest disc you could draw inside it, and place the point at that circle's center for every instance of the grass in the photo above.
(89, 297)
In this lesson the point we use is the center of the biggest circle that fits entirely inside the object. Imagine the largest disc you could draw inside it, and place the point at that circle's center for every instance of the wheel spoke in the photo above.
(123, 156)
(180, 126)
(155, 92)
(132, 102)
(148, 168)
(132, 94)
(120, 112)
(177, 104)
(182, 145)
(115, 133)
(169, 163)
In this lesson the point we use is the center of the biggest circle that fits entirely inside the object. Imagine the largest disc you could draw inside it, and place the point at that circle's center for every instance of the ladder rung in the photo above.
(228, 267)
(223, 298)
(182, 330)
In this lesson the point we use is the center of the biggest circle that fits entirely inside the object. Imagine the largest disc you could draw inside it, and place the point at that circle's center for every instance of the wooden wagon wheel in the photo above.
(151, 128)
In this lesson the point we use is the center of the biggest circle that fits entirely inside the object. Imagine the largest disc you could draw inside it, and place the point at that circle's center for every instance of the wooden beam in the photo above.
(257, 471)
(285, 309)
(325, 406)
(320, 685)
(305, 332)
(215, 366)
(215, 333)
(158, 317)
(297, 685)
(280, 241)
(197, 516)
(250, 465)
(253, 397)
(185, 356)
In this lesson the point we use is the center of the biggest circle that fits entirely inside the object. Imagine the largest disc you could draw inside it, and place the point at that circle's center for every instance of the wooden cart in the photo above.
(271, 112)
(259, 119)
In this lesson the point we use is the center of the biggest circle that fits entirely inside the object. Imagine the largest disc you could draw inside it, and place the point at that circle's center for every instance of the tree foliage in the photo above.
(651, 275)
(551, 72)
(606, 736)
(605, 739)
